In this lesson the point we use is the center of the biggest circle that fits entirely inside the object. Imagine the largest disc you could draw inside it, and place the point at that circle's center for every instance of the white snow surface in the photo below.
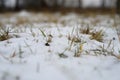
(40, 62)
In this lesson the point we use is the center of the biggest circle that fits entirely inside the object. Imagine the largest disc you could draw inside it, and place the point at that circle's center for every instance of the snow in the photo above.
(26, 57)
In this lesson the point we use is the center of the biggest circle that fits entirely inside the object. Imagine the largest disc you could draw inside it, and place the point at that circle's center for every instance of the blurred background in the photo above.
(17, 5)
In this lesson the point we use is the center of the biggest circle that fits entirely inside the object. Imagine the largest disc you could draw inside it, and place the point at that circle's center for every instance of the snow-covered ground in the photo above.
(44, 46)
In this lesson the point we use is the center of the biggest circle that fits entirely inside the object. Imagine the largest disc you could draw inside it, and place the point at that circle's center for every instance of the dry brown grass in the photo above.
(85, 30)
(98, 35)
(4, 34)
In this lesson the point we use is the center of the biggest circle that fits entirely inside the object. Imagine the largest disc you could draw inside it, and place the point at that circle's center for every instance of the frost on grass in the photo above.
(59, 47)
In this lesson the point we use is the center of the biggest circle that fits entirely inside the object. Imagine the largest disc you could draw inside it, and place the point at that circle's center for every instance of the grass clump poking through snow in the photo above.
(4, 33)
(98, 35)
(47, 37)
(85, 30)
(79, 50)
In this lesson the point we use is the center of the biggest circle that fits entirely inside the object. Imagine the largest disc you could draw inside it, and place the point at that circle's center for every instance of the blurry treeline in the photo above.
(38, 4)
